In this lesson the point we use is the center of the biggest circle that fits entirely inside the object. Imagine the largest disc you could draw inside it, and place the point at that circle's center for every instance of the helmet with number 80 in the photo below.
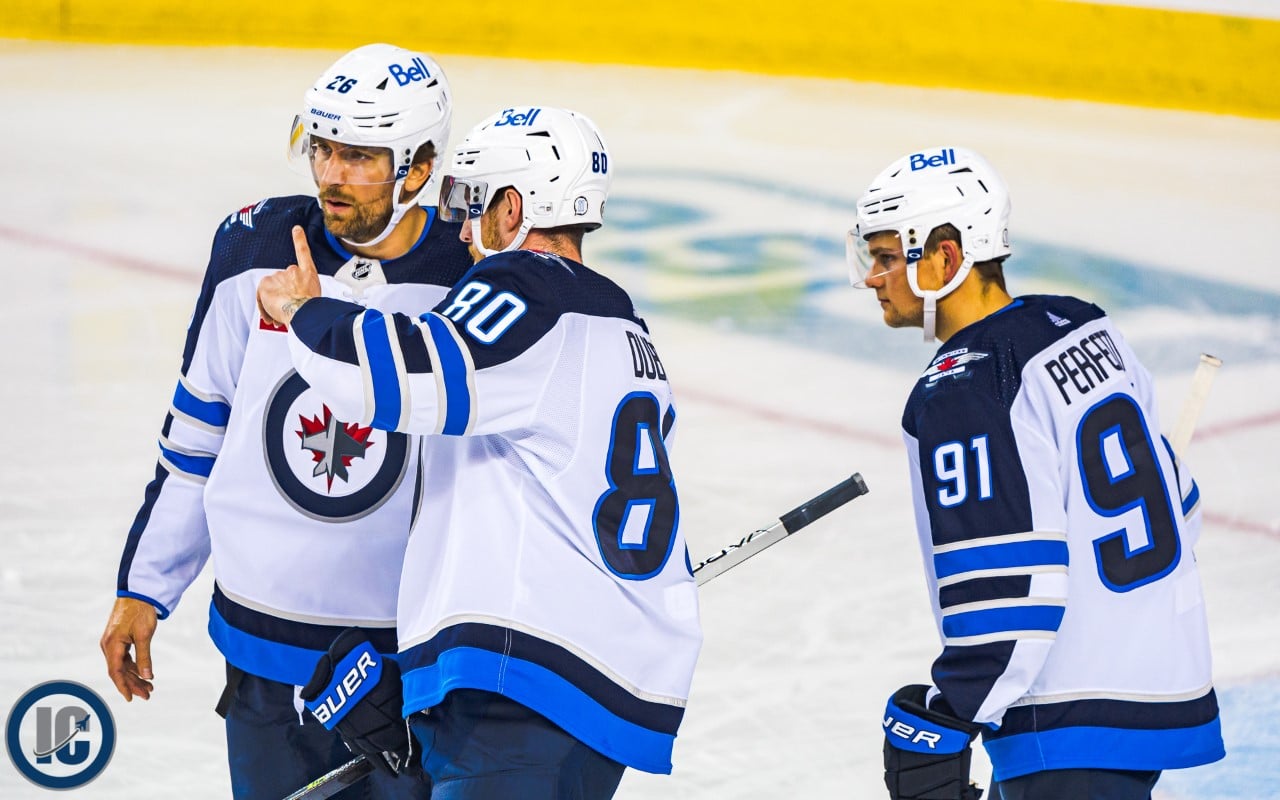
(376, 98)
(555, 158)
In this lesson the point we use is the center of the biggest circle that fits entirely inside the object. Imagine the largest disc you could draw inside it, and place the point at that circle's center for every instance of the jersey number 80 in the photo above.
(636, 517)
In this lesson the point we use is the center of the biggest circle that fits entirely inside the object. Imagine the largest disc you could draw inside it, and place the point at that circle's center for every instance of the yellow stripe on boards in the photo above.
(1137, 56)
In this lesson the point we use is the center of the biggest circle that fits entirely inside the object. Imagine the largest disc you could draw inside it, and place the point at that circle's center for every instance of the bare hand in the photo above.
(132, 622)
(282, 293)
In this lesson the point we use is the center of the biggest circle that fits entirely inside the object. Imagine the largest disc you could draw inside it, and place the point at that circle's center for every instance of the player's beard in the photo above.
(490, 236)
(362, 222)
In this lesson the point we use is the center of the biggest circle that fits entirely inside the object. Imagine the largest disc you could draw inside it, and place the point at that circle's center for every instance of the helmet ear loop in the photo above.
(932, 296)
(477, 240)
(525, 226)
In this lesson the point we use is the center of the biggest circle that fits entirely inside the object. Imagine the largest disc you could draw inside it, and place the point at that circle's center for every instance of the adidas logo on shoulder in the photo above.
(1061, 322)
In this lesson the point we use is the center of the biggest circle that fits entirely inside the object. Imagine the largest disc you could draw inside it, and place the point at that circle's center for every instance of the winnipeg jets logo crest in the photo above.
(333, 445)
(952, 364)
(326, 467)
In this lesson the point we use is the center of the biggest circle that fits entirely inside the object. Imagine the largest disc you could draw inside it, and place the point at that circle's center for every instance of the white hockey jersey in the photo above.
(290, 498)
(1057, 529)
(546, 562)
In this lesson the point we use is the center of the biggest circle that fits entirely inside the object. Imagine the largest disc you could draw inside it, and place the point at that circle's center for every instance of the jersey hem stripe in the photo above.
(545, 692)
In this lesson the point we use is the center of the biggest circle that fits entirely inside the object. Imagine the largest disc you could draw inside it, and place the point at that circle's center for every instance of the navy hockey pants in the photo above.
(481, 746)
(1078, 784)
(271, 754)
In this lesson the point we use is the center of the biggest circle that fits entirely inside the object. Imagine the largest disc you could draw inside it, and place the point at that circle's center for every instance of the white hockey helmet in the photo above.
(555, 158)
(378, 95)
(920, 192)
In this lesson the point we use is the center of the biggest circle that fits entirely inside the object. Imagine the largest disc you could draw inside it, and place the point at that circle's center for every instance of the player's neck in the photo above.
(400, 241)
(536, 240)
(972, 301)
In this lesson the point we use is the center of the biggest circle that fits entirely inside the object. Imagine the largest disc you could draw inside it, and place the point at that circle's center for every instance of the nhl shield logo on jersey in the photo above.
(325, 467)
(952, 364)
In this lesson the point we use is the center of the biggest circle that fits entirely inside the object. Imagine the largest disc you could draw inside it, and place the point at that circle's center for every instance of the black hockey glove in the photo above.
(926, 753)
(357, 690)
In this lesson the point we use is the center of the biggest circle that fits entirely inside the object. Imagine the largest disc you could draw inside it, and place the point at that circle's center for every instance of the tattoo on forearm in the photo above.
(291, 305)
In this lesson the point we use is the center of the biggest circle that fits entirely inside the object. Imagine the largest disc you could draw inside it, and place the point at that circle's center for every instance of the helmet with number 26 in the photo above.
(555, 158)
(919, 192)
(376, 97)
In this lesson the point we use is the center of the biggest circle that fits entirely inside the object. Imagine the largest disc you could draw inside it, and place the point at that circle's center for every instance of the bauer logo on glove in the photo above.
(906, 731)
(352, 679)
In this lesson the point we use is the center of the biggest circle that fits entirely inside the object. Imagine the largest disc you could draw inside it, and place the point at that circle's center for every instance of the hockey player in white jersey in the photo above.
(548, 614)
(1057, 526)
(291, 495)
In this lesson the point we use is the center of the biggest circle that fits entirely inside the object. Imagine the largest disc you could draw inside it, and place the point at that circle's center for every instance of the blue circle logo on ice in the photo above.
(60, 735)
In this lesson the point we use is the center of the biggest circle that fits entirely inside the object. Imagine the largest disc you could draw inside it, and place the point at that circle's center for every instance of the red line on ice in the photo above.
(102, 256)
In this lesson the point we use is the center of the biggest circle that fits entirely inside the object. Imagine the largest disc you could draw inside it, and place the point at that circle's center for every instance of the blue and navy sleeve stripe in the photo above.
(384, 371)
(455, 376)
(204, 411)
(190, 464)
(1019, 553)
(980, 608)
(996, 620)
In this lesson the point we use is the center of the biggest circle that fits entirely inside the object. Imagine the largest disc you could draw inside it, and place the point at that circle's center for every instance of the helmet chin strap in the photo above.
(398, 210)
(477, 240)
(932, 296)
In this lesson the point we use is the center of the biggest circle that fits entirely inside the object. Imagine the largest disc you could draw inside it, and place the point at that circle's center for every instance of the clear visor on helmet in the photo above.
(328, 162)
(866, 263)
(462, 199)
(858, 258)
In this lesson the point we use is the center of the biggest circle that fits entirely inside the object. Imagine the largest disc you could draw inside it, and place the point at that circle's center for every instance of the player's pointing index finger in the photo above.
(302, 249)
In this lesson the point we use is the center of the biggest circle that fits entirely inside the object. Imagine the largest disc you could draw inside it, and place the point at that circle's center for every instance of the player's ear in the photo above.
(415, 180)
(953, 258)
(514, 212)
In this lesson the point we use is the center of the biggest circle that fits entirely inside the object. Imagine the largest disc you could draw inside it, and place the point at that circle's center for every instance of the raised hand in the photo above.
(282, 293)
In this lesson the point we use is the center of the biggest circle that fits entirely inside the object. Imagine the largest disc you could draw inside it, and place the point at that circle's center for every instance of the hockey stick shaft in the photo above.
(1180, 436)
(331, 783)
(787, 524)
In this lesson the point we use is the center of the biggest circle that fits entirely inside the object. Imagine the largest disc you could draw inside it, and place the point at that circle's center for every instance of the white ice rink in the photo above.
(731, 198)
